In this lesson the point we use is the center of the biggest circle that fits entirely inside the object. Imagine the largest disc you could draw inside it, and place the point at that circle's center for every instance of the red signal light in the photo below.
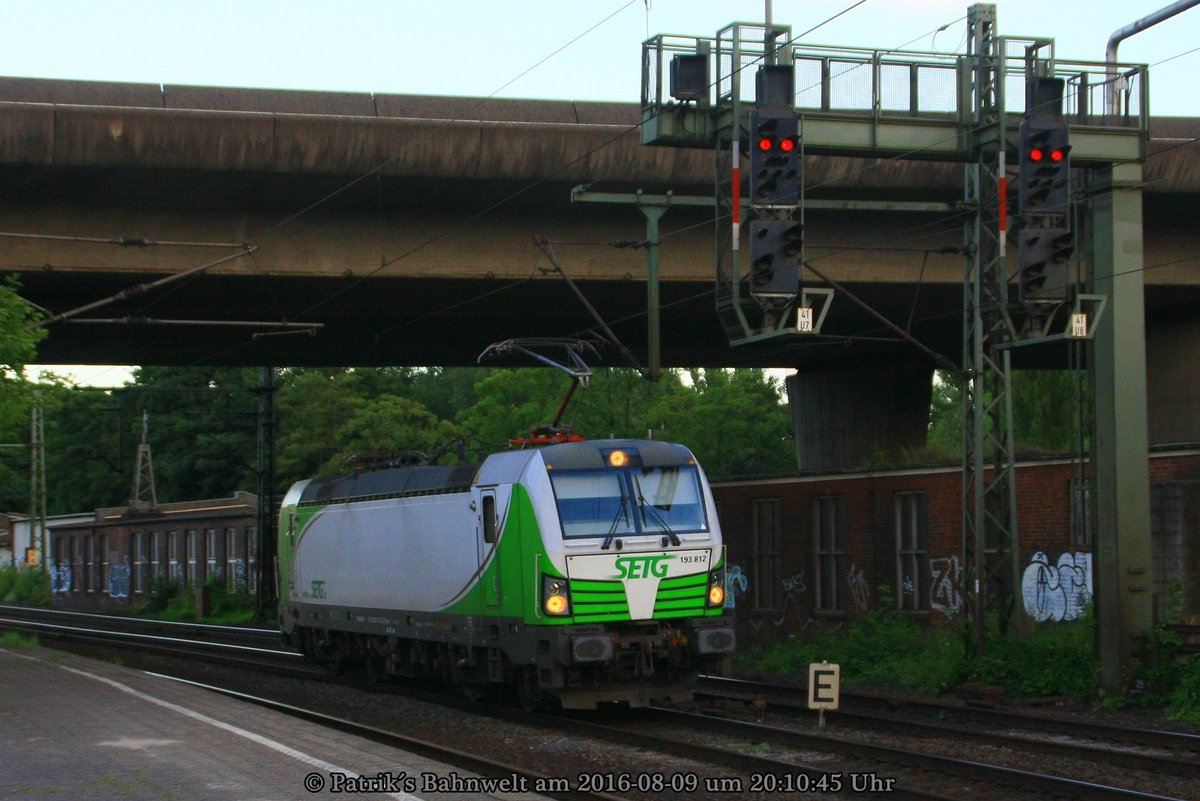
(1057, 155)
(765, 143)
(787, 145)
(1037, 154)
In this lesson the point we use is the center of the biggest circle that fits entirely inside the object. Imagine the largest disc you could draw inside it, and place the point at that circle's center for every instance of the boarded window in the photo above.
(767, 578)
(912, 552)
(829, 545)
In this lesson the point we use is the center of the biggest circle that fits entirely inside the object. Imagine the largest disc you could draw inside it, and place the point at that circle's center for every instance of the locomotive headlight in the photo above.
(555, 597)
(716, 588)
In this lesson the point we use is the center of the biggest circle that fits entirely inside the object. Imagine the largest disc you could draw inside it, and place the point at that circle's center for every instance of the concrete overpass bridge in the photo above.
(402, 230)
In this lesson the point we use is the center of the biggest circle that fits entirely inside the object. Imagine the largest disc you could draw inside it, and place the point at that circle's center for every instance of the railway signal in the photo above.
(1044, 178)
(775, 247)
(774, 158)
(1045, 255)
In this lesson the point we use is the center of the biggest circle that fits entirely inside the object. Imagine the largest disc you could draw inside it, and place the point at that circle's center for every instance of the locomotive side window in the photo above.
(602, 503)
(489, 518)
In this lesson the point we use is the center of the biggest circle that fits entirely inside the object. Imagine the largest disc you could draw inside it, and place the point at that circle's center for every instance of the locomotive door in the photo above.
(488, 528)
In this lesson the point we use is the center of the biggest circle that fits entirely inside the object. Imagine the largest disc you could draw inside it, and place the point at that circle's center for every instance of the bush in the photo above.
(1185, 698)
(28, 587)
(230, 608)
(882, 647)
(1054, 659)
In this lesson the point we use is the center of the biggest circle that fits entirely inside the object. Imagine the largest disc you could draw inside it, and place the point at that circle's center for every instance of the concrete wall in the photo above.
(846, 416)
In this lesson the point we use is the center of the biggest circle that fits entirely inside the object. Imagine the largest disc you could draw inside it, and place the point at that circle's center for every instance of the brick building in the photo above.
(115, 558)
(807, 549)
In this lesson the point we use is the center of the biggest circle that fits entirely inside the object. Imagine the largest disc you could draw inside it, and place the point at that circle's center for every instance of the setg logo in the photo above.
(631, 567)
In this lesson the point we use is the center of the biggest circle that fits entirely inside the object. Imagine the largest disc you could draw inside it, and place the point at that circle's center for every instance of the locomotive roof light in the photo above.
(618, 459)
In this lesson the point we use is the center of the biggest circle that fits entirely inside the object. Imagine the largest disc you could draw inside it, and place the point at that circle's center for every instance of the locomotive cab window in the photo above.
(638, 500)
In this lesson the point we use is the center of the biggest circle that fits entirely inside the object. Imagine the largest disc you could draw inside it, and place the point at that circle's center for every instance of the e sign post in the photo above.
(824, 685)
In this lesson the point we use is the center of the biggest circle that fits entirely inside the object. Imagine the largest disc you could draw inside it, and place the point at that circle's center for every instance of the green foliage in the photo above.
(946, 415)
(230, 608)
(27, 587)
(162, 592)
(203, 429)
(15, 639)
(18, 344)
(1184, 700)
(1053, 659)
(202, 423)
(883, 647)
(734, 421)
(1170, 677)
(1046, 412)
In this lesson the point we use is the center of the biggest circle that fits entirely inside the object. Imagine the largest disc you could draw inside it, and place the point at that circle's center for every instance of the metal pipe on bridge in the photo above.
(1121, 34)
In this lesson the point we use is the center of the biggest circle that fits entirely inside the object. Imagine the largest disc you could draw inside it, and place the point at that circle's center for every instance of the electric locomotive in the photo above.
(588, 571)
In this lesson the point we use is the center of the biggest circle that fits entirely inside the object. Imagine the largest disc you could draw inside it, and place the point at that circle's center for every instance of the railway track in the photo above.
(703, 756)
(230, 645)
(1155, 750)
(1138, 758)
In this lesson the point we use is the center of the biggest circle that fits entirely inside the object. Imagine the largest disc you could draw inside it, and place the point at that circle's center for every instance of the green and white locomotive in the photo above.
(592, 571)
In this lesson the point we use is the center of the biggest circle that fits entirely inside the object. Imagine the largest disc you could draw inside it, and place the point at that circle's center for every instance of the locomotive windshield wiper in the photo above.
(648, 509)
(622, 511)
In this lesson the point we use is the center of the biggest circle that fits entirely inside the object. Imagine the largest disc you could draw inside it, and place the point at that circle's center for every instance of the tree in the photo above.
(19, 338)
(389, 424)
(735, 421)
(203, 428)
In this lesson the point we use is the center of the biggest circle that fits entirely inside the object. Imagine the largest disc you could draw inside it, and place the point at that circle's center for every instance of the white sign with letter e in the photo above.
(824, 685)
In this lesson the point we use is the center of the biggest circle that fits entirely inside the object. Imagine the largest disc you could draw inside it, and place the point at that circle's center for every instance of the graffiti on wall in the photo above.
(859, 591)
(794, 585)
(945, 582)
(118, 581)
(60, 578)
(735, 584)
(238, 568)
(1059, 591)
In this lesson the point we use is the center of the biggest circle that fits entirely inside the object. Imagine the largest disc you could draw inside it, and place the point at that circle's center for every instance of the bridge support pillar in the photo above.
(1123, 580)
(844, 417)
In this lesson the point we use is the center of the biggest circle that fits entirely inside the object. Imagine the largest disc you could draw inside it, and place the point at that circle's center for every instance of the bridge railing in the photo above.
(891, 85)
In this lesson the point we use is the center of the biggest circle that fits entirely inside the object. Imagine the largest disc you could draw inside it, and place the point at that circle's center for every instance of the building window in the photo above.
(252, 559)
(830, 549)
(768, 555)
(89, 566)
(192, 536)
(102, 586)
(912, 552)
(139, 562)
(77, 564)
(158, 557)
(215, 565)
(61, 575)
(1082, 525)
(175, 566)
(233, 582)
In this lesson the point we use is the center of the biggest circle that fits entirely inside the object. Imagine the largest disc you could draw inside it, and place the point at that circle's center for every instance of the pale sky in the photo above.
(565, 49)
